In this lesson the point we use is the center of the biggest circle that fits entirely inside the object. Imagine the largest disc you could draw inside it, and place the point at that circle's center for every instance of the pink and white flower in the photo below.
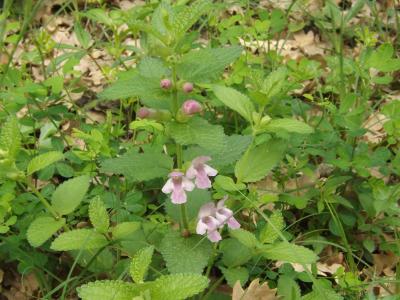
(207, 223)
(211, 218)
(201, 172)
(225, 215)
(177, 185)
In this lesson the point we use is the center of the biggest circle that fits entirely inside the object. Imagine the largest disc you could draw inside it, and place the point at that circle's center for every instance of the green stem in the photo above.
(184, 217)
(42, 199)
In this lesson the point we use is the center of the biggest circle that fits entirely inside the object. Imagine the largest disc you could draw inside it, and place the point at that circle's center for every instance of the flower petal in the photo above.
(201, 227)
(200, 160)
(214, 236)
(178, 196)
(187, 185)
(202, 180)
(207, 209)
(191, 172)
(233, 223)
(210, 171)
(223, 214)
(168, 187)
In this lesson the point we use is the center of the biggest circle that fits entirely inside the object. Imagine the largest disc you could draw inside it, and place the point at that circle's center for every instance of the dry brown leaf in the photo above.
(255, 291)
(374, 125)
(385, 263)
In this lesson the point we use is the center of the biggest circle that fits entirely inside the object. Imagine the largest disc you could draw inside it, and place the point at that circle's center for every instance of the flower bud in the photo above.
(143, 112)
(187, 87)
(191, 107)
(165, 84)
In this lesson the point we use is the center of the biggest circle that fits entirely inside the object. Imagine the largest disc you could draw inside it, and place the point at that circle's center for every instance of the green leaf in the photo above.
(235, 101)
(124, 230)
(274, 84)
(79, 239)
(43, 160)
(134, 85)
(151, 67)
(322, 290)
(185, 255)
(288, 252)
(198, 132)
(178, 286)
(139, 166)
(227, 184)
(233, 148)
(67, 197)
(82, 35)
(188, 15)
(289, 125)
(270, 232)
(288, 288)
(98, 215)
(196, 199)
(205, 65)
(245, 237)
(42, 228)
(257, 162)
(234, 274)
(149, 125)
(108, 290)
(140, 264)
(234, 253)
(10, 137)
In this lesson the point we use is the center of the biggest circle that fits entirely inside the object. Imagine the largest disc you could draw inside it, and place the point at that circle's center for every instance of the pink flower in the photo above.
(225, 215)
(165, 84)
(187, 87)
(143, 112)
(207, 223)
(201, 172)
(191, 107)
(177, 184)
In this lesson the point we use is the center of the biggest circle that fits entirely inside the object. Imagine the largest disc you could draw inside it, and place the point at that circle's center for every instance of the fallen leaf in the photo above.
(255, 291)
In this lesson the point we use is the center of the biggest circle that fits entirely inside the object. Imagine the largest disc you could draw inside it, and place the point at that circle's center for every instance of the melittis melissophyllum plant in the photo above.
(181, 151)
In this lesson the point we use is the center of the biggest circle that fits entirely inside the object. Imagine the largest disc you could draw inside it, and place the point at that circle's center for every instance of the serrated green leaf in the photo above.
(140, 264)
(42, 228)
(235, 101)
(185, 255)
(124, 230)
(234, 146)
(288, 288)
(323, 291)
(274, 84)
(245, 237)
(67, 197)
(270, 233)
(136, 85)
(198, 132)
(151, 67)
(289, 125)
(10, 137)
(79, 239)
(195, 200)
(234, 274)
(178, 286)
(234, 253)
(186, 17)
(139, 166)
(98, 215)
(205, 65)
(108, 290)
(82, 35)
(288, 252)
(43, 160)
(257, 162)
